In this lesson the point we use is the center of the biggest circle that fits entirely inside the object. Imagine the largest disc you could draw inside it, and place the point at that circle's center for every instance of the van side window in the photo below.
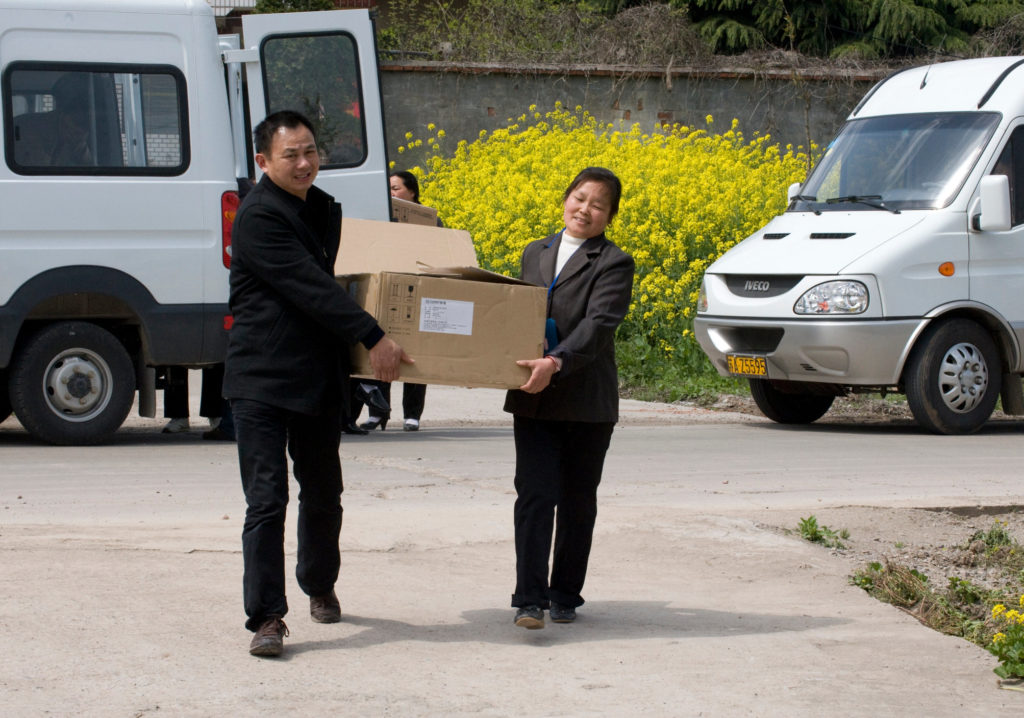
(1011, 164)
(94, 120)
(318, 75)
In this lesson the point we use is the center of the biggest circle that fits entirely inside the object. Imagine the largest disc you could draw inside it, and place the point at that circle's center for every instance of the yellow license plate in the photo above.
(746, 365)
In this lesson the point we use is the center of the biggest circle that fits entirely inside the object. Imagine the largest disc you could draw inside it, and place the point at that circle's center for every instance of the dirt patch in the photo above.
(941, 543)
(856, 407)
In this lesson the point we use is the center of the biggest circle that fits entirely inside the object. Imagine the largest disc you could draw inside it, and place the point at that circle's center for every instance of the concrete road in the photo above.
(122, 577)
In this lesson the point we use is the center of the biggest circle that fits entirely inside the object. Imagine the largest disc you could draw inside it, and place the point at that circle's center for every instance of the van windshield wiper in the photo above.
(868, 199)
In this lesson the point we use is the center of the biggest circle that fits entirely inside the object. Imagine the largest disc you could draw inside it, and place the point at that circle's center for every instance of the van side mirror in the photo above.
(995, 204)
(793, 191)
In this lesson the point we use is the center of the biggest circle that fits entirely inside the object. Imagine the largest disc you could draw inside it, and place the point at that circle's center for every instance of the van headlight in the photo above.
(836, 297)
(702, 298)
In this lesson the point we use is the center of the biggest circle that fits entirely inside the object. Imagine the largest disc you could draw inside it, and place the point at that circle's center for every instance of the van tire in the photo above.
(94, 367)
(789, 407)
(953, 377)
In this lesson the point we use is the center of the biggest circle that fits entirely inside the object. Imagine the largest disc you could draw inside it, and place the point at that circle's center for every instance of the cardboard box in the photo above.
(460, 330)
(464, 326)
(402, 210)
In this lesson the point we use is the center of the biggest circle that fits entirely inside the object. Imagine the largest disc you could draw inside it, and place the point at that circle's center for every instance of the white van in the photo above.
(126, 131)
(898, 265)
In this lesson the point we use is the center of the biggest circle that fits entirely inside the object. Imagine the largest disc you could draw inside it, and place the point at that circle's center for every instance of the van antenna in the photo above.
(924, 80)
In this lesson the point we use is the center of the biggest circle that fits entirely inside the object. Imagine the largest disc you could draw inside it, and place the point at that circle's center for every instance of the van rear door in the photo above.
(324, 65)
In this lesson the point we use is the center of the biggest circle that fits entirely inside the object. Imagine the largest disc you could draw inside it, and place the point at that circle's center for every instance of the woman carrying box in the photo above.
(564, 414)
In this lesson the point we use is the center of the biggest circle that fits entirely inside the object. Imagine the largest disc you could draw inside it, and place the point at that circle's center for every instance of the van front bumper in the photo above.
(848, 352)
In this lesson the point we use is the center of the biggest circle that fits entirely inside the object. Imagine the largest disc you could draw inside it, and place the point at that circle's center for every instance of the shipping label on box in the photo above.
(461, 332)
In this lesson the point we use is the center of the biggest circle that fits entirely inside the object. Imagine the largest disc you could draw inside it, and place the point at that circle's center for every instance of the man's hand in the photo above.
(386, 357)
(541, 371)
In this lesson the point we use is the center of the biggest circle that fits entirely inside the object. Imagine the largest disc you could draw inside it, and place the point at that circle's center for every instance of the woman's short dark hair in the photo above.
(263, 133)
(605, 177)
(410, 182)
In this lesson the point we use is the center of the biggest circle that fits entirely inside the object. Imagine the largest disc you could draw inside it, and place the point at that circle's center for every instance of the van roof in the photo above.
(988, 83)
(158, 7)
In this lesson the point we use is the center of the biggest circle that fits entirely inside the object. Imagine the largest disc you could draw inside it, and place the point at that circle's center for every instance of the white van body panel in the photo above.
(946, 87)
(127, 219)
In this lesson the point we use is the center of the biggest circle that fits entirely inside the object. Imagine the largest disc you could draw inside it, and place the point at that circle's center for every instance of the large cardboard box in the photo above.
(464, 326)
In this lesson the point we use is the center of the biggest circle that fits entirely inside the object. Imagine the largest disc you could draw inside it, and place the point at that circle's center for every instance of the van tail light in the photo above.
(228, 207)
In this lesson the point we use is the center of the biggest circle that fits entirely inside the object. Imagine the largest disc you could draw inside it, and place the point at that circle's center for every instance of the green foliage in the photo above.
(995, 537)
(292, 5)
(964, 591)
(811, 531)
(848, 28)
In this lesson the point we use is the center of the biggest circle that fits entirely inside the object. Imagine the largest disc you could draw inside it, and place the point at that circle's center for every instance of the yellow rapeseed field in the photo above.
(689, 194)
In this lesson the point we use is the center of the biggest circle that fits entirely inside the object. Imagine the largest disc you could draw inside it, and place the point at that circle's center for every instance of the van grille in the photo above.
(761, 285)
(775, 235)
(831, 235)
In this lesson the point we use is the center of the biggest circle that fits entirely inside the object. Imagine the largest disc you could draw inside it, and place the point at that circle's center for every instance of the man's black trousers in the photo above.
(265, 433)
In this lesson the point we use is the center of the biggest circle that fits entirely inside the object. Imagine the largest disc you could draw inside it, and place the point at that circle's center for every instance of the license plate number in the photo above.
(745, 365)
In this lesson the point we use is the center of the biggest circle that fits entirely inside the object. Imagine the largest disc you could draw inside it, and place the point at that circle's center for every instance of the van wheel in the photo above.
(72, 383)
(953, 377)
(792, 405)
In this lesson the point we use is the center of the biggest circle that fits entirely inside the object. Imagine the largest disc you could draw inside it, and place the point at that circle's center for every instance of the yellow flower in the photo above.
(999, 638)
(998, 610)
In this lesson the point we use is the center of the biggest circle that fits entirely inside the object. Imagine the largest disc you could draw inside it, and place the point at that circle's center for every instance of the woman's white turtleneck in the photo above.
(566, 247)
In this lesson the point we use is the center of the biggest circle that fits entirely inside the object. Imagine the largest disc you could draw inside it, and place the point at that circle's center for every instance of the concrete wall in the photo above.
(793, 108)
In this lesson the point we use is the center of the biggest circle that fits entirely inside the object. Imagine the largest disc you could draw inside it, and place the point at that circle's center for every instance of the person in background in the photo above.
(211, 405)
(564, 414)
(286, 373)
(404, 185)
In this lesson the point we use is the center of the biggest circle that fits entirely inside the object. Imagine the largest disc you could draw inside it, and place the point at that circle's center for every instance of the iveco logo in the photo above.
(757, 285)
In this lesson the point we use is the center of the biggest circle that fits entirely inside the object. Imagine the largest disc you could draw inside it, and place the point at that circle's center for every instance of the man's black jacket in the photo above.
(293, 323)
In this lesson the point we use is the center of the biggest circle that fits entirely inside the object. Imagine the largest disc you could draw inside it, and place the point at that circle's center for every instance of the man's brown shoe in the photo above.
(325, 609)
(269, 638)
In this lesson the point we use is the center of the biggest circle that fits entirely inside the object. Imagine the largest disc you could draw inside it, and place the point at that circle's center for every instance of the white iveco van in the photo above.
(126, 136)
(899, 263)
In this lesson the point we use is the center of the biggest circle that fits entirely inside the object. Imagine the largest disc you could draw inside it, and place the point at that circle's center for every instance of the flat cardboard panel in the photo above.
(402, 210)
(368, 246)
(461, 332)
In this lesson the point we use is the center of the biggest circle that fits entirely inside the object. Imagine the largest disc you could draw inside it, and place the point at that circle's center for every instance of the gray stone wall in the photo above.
(794, 108)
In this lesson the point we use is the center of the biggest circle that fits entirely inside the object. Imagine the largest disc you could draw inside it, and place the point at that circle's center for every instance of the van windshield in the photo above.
(897, 162)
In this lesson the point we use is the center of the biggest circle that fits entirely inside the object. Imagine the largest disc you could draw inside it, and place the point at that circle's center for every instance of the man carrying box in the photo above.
(286, 367)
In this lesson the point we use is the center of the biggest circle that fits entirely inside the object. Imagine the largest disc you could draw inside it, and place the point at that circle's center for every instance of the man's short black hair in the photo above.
(263, 133)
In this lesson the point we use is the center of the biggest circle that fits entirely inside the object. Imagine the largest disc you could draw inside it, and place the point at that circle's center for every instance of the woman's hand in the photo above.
(541, 371)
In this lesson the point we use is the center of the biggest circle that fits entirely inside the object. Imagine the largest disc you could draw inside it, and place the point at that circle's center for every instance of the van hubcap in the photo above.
(963, 378)
(77, 384)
